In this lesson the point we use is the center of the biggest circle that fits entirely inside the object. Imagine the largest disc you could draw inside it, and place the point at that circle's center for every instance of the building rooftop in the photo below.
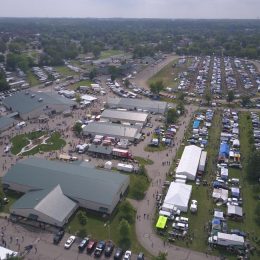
(145, 104)
(51, 202)
(109, 129)
(77, 181)
(124, 115)
(27, 101)
(6, 121)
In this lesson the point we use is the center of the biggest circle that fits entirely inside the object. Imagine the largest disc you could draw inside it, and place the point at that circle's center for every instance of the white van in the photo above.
(20, 125)
(180, 226)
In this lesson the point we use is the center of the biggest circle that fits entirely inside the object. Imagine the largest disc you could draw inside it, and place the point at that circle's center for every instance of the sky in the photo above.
(205, 9)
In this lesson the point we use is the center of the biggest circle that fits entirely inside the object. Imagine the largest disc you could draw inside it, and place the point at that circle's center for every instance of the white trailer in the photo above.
(224, 239)
(125, 167)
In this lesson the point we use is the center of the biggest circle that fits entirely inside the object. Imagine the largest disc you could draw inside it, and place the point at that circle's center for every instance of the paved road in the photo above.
(157, 173)
(143, 76)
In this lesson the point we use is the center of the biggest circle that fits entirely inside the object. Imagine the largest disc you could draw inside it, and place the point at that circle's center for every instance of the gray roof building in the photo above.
(94, 189)
(113, 130)
(6, 122)
(49, 205)
(135, 104)
(33, 104)
(124, 116)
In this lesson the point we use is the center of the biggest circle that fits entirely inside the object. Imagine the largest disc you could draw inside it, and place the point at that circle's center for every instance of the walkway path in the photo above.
(157, 173)
(143, 76)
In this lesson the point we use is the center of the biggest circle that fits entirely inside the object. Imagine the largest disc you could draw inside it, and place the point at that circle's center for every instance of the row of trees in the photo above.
(3, 83)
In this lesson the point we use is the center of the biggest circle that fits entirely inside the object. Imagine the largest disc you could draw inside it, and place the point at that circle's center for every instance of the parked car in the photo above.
(83, 244)
(118, 254)
(140, 256)
(238, 232)
(91, 246)
(69, 242)
(109, 248)
(127, 255)
(99, 248)
(58, 236)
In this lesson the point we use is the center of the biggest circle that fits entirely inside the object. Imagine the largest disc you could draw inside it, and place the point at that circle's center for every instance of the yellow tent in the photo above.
(161, 223)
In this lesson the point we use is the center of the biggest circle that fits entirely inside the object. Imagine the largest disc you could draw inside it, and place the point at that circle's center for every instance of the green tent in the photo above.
(161, 223)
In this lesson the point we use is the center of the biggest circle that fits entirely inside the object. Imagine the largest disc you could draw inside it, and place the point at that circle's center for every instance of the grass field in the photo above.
(144, 161)
(53, 143)
(65, 71)
(19, 141)
(32, 79)
(81, 83)
(12, 197)
(169, 75)
(109, 53)
(104, 229)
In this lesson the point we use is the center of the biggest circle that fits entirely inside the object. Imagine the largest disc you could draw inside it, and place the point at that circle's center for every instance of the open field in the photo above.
(109, 53)
(169, 74)
(32, 79)
(65, 71)
(81, 83)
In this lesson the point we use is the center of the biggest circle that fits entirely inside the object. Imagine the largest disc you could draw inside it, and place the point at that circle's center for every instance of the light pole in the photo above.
(107, 224)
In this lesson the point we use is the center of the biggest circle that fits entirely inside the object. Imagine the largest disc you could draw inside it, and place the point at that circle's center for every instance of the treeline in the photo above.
(65, 38)
(3, 84)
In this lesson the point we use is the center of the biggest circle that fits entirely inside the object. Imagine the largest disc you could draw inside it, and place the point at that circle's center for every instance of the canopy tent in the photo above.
(88, 98)
(224, 150)
(178, 195)
(220, 194)
(196, 124)
(108, 165)
(224, 173)
(161, 223)
(234, 210)
(218, 214)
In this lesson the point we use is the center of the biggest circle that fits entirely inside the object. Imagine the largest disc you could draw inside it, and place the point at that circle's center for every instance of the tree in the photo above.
(126, 211)
(138, 189)
(253, 166)
(161, 256)
(2, 58)
(82, 233)
(245, 100)
(127, 83)
(124, 234)
(230, 96)
(77, 128)
(82, 218)
(156, 87)
(172, 116)
(78, 98)
(3, 83)
(207, 96)
(92, 74)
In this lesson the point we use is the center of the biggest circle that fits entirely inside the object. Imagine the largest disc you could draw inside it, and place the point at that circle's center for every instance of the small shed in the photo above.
(161, 222)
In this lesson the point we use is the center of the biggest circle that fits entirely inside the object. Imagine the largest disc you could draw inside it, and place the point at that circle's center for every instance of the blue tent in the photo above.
(224, 150)
(196, 124)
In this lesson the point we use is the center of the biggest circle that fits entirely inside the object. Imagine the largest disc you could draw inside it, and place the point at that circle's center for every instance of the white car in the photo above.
(127, 255)
(69, 242)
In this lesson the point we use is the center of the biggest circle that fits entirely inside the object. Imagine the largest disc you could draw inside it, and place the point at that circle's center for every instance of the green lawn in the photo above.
(12, 197)
(81, 83)
(65, 71)
(19, 141)
(53, 143)
(169, 75)
(144, 161)
(32, 79)
(99, 229)
(152, 149)
(109, 53)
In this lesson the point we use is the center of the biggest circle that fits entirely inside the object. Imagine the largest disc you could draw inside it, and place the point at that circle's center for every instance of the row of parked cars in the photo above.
(98, 247)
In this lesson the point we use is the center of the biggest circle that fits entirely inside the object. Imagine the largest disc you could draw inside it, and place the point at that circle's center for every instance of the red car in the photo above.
(91, 246)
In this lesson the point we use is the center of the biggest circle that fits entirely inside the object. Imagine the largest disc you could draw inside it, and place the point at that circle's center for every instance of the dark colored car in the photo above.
(140, 256)
(109, 248)
(118, 254)
(91, 246)
(238, 232)
(58, 236)
(83, 244)
(99, 248)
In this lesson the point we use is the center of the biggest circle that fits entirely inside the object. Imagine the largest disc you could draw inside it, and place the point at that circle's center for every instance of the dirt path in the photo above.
(142, 77)
(146, 208)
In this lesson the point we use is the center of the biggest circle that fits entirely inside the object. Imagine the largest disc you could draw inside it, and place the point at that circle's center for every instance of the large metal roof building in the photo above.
(113, 130)
(114, 115)
(151, 106)
(94, 189)
(30, 104)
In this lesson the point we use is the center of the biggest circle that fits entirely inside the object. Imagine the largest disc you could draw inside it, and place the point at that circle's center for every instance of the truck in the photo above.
(82, 148)
(227, 240)
(121, 153)
(125, 167)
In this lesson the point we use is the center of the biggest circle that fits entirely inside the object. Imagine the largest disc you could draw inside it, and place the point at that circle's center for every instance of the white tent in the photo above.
(234, 210)
(178, 195)
(189, 161)
(220, 194)
(108, 165)
(88, 98)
